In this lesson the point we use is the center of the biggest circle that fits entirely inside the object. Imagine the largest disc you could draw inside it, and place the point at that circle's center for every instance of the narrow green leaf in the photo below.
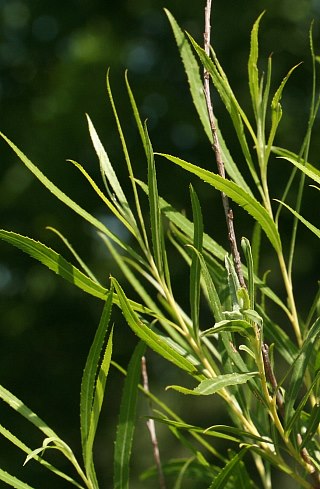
(245, 243)
(299, 367)
(54, 262)
(196, 89)
(126, 425)
(118, 211)
(231, 326)
(279, 337)
(276, 109)
(213, 431)
(195, 269)
(211, 386)
(90, 374)
(222, 85)
(13, 481)
(193, 73)
(25, 412)
(253, 72)
(109, 173)
(312, 426)
(238, 195)
(230, 166)
(256, 245)
(186, 226)
(212, 294)
(144, 142)
(227, 471)
(62, 267)
(83, 265)
(154, 341)
(305, 167)
(155, 212)
(237, 115)
(18, 443)
(97, 405)
(60, 195)
(304, 221)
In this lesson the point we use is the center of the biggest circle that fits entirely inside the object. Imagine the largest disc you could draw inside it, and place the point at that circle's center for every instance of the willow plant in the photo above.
(273, 420)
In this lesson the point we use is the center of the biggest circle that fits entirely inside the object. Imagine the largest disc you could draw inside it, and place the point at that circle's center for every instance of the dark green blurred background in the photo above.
(53, 58)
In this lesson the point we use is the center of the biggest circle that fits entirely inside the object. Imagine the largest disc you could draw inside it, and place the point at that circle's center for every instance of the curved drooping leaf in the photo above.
(13, 481)
(154, 341)
(304, 221)
(61, 195)
(83, 265)
(238, 195)
(19, 444)
(310, 170)
(55, 262)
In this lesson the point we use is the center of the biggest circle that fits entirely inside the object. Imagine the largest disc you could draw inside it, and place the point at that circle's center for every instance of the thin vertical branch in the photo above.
(217, 150)
(152, 429)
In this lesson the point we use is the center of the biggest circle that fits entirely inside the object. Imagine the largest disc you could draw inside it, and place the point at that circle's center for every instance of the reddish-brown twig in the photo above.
(152, 429)
(217, 151)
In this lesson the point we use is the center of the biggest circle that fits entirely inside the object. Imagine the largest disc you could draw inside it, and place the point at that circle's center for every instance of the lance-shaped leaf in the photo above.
(221, 480)
(109, 174)
(304, 221)
(13, 481)
(238, 195)
(90, 374)
(253, 72)
(54, 262)
(196, 89)
(195, 269)
(126, 425)
(193, 73)
(62, 267)
(299, 367)
(211, 386)
(154, 341)
(61, 195)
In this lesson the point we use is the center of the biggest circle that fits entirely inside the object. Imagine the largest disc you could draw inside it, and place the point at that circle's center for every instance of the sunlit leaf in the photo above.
(60, 195)
(211, 386)
(304, 221)
(154, 341)
(253, 72)
(13, 481)
(54, 262)
(238, 195)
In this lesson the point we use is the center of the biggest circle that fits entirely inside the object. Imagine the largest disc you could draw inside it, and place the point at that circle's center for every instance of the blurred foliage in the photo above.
(53, 60)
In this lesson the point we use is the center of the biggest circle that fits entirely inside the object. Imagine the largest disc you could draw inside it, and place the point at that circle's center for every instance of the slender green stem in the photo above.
(293, 316)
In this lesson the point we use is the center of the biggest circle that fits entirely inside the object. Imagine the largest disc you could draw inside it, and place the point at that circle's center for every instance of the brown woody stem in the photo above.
(217, 151)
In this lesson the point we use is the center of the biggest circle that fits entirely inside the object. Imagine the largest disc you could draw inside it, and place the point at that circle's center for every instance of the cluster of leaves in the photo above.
(277, 423)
